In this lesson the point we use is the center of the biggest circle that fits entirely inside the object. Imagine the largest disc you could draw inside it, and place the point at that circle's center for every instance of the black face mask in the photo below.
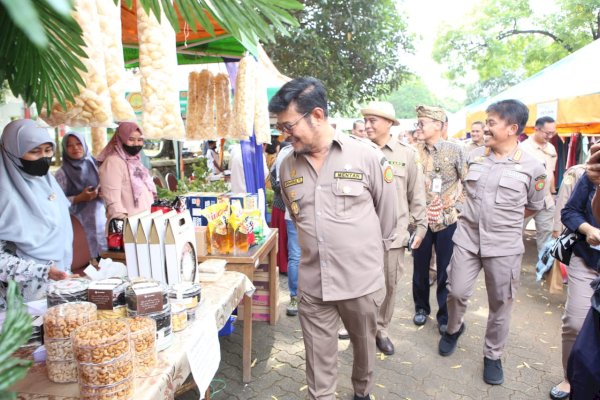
(132, 150)
(38, 167)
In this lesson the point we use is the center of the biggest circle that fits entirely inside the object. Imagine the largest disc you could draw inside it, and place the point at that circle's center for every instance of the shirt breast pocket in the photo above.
(472, 183)
(511, 193)
(400, 177)
(347, 196)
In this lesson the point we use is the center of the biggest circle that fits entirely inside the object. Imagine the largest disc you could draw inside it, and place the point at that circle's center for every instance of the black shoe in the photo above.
(357, 397)
(557, 394)
(385, 345)
(420, 317)
(448, 341)
(492, 371)
(442, 328)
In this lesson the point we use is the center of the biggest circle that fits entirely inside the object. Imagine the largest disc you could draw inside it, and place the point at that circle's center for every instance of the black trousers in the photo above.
(442, 241)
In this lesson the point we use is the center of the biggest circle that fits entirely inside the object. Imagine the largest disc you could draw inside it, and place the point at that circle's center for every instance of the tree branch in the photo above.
(504, 35)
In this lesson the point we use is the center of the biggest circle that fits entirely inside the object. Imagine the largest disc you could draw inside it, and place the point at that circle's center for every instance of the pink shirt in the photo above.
(115, 186)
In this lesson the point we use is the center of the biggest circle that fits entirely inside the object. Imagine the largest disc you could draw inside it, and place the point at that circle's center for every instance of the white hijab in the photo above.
(34, 212)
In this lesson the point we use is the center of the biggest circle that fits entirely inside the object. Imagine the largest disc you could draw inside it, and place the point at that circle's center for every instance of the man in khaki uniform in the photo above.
(539, 146)
(341, 195)
(476, 136)
(410, 188)
(503, 184)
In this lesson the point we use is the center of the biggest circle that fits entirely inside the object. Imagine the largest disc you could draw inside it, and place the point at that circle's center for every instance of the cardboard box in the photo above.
(201, 240)
(157, 246)
(195, 202)
(180, 250)
(142, 244)
(129, 233)
(245, 201)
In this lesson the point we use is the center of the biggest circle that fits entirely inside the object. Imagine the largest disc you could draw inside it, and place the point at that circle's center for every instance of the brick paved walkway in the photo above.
(532, 359)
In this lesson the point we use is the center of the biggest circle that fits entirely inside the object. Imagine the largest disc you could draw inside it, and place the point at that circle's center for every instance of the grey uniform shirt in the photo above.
(410, 187)
(345, 216)
(498, 191)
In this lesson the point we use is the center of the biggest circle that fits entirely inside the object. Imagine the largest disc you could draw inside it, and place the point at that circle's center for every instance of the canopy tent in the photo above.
(198, 47)
(568, 91)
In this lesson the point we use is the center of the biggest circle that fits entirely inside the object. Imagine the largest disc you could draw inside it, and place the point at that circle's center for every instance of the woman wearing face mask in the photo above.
(127, 187)
(78, 177)
(36, 237)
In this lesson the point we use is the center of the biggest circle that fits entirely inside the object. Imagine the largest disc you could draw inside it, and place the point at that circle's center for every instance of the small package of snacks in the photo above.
(61, 320)
(66, 291)
(101, 341)
(62, 371)
(187, 294)
(244, 99)
(109, 297)
(179, 317)
(119, 391)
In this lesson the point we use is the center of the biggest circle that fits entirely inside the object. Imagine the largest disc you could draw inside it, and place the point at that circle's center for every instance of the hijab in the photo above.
(138, 174)
(34, 212)
(80, 173)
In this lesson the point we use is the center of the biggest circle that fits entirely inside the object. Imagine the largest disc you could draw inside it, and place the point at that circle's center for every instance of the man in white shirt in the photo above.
(540, 147)
(213, 158)
(236, 166)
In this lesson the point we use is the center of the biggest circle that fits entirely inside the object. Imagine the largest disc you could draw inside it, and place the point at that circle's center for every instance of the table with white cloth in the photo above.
(218, 301)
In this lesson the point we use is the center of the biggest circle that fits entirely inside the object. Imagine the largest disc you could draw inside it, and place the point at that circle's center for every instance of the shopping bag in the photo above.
(563, 247)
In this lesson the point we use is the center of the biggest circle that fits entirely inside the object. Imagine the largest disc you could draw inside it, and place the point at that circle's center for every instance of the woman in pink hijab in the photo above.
(126, 185)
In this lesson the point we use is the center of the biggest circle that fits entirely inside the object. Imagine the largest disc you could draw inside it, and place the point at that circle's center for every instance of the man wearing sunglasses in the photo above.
(539, 146)
(340, 194)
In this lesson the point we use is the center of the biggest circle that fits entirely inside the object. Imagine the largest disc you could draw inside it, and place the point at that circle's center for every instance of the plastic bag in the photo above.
(108, 13)
(244, 99)
(200, 119)
(224, 117)
(92, 105)
(161, 117)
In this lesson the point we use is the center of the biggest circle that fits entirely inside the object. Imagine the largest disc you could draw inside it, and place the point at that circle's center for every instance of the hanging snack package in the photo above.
(108, 13)
(223, 111)
(262, 128)
(200, 120)
(92, 105)
(244, 98)
(98, 140)
(161, 118)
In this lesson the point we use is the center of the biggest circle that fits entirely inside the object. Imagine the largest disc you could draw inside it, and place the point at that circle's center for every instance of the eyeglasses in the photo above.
(421, 124)
(287, 127)
(548, 133)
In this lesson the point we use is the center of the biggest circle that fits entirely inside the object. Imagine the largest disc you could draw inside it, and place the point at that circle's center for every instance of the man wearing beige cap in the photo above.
(410, 187)
(444, 168)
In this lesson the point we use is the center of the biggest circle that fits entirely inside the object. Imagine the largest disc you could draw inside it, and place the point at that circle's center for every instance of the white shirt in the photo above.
(280, 156)
(236, 166)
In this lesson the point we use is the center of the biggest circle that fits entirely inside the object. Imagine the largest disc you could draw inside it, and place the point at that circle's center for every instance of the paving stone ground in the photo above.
(532, 358)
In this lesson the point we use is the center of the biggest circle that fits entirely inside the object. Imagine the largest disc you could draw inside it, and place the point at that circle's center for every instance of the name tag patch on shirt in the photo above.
(516, 175)
(397, 163)
(292, 182)
(356, 176)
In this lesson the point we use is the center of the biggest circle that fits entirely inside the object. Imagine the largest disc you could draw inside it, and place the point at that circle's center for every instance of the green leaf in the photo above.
(24, 15)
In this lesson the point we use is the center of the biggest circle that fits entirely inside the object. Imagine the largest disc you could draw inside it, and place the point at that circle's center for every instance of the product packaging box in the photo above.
(142, 245)
(196, 202)
(245, 201)
(157, 246)
(129, 234)
(180, 250)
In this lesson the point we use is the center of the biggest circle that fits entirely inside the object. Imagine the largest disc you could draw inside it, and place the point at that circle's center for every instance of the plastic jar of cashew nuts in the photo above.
(101, 341)
(66, 291)
(61, 320)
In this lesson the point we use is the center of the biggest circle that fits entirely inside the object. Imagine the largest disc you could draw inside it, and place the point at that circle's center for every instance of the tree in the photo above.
(504, 41)
(41, 44)
(353, 46)
(414, 92)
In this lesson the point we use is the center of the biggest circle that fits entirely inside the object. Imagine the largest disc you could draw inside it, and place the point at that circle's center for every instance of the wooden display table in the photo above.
(247, 264)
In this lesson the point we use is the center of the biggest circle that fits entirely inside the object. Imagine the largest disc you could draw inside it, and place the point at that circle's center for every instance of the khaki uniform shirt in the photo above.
(410, 187)
(546, 154)
(570, 178)
(470, 146)
(498, 191)
(447, 161)
(345, 216)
